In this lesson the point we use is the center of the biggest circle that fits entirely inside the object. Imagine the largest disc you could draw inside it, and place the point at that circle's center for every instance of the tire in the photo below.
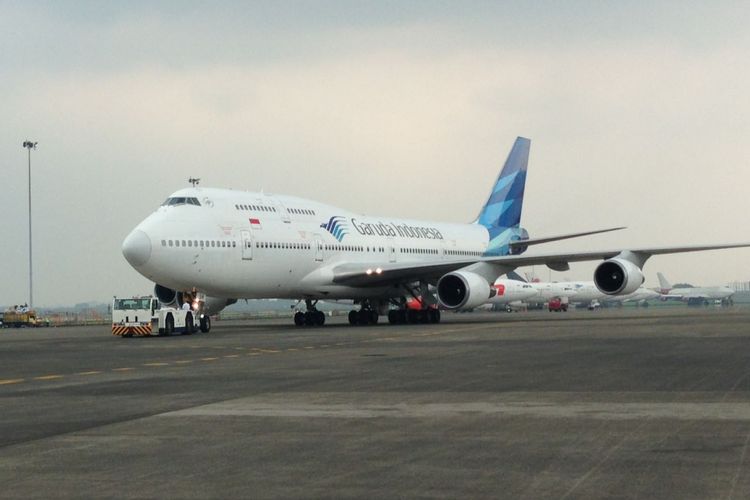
(168, 325)
(206, 323)
(434, 315)
(412, 316)
(393, 317)
(374, 317)
(353, 318)
(320, 318)
(299, 318)
(189, 324)
(310, 318)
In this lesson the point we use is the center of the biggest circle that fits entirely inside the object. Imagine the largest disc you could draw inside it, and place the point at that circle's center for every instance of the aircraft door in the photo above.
(247, 245)
(283, 212)
(391, 252)
(318, 247)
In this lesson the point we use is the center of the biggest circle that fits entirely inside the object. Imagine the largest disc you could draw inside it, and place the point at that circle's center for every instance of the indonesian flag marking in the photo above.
(255, 224)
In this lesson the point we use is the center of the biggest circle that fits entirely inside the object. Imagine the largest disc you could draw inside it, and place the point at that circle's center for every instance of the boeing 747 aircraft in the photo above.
(695, 295)
(219, 245)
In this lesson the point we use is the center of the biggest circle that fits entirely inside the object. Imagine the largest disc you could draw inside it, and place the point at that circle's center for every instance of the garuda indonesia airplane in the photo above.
(218, 245)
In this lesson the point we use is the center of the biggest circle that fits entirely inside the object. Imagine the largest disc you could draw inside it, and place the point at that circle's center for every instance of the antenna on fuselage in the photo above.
(194, 181)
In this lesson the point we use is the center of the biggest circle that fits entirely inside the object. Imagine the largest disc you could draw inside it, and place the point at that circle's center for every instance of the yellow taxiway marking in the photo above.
(183, 361)
(209, 359)
(270, 351)
(253, 354)
(292, 349)
(126, 369)
(92, 372)
(155, 364)
(308, 347)
(9, 381)
(48, 377)
(232, 356)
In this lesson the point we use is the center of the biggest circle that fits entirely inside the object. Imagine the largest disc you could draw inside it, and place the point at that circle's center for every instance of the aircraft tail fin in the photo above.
(503, 207)
(501, 213)
(663, 283)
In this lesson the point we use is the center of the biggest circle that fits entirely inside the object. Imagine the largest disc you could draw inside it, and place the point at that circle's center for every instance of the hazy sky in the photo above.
(637, 112)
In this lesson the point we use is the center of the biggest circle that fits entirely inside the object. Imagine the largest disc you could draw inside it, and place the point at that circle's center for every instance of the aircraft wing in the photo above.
(361, 274)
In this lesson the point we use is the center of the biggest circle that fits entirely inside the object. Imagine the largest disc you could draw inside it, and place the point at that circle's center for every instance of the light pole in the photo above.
(30, 145)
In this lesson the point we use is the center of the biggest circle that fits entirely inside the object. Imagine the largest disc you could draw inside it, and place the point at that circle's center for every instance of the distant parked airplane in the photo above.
(701, 295)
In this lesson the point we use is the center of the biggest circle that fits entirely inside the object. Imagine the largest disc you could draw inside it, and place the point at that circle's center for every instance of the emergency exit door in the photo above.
(247, 245)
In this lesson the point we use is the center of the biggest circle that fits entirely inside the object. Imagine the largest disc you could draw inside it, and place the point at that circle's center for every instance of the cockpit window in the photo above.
(181, 201)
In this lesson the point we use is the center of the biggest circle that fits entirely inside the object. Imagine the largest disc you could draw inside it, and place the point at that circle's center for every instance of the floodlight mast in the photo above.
(30, 145)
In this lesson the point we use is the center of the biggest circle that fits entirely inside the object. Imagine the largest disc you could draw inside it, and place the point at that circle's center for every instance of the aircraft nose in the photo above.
(137, 248)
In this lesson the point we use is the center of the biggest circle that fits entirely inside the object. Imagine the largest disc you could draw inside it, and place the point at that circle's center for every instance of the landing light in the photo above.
(378, 271)
(368, 272)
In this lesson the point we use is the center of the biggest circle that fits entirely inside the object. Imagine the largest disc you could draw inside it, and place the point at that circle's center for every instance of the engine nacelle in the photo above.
(213, 305)
(462, 289)
(618, 277)
(172, 298)
(167, 296)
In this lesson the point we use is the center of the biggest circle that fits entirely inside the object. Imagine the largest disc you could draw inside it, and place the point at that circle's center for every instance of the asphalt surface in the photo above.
(604, 404)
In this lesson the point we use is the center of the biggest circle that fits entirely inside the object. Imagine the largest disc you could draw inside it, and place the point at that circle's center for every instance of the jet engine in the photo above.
(212, 305)
(167, 296)
(173, 298)
(463, 289)
(618, 277)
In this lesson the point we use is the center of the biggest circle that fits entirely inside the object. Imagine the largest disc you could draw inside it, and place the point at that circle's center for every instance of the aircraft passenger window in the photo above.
(234, 244)
(170, 243)
(163, 243)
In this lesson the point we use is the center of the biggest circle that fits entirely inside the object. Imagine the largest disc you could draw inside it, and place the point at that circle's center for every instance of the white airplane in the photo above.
(510, 291)
(220, 245)
(694, 295)
(641, 296)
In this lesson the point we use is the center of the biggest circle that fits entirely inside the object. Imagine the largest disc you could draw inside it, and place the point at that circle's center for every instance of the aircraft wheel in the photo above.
(433, 315)
(320, 318)
(412, 316)
(393, 317)
(309, 318)
(299, 318)
(402, 316)
(363, 317)
(353, 318)
(205, 323)
(374, 317)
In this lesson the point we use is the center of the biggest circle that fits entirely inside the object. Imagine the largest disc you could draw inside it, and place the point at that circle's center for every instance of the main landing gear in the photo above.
(311, 317)
(367, 315)
(423, 306)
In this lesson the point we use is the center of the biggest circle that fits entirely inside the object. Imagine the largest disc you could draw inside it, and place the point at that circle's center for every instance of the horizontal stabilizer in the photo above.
(549, 239)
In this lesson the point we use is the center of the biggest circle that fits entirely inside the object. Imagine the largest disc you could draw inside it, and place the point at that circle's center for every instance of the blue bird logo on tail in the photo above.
(337, 226)
(501, 214)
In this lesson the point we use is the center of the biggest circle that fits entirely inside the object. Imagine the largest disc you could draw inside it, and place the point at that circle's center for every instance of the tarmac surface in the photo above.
(604, 404)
